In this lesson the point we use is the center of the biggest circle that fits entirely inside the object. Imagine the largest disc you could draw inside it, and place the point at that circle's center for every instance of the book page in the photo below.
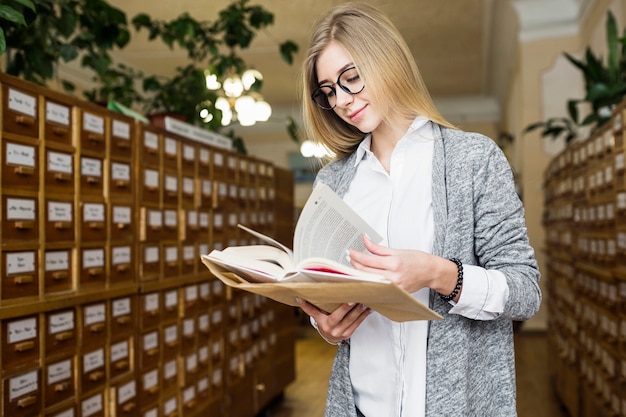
(327, 227)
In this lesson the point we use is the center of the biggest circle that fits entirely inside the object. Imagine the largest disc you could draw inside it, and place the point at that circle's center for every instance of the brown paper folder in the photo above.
(385, 298)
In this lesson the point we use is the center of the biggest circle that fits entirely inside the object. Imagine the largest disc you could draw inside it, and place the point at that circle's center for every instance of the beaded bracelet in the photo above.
(459, 282)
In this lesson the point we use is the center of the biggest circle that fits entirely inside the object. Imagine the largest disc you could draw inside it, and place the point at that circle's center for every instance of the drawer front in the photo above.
(121, 222)
(189, 158)
(150, 185)
(171, 372)
(171, 188)
(122, 266)
(92, 265)
(120, 359)
(20, 276)
(59, 220)
(20, 112)
(171, 340)
(171, 153)
(59, 381)
(149, 349)
(93, 221)
(22, 394)
(93, 405)
(58, 270)
(171, 261)
(58, 122)
(150, 147)
(92, 369)
(124, 398)
(20, 166)
(120, 180)
(91, 175)
(189, 259)
(188, 191)
(61, 332)
(122, 134)
(150, 263)
(171, 305)
(171, 223)
(150, 310)
(152, 224)
(94, 324)
(59, 172)
(123, 315)
(149, 385)
(20, 222)
(20, 343)
(92, 132)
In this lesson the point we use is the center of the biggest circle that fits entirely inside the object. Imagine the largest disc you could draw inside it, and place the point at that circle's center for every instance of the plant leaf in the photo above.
(287, 50)
(12, 15)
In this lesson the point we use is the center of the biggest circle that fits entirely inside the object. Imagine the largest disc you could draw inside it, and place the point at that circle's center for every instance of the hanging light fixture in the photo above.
(237, 99)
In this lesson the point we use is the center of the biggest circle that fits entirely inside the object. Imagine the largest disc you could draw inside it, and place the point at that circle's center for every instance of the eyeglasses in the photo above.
(349, 80)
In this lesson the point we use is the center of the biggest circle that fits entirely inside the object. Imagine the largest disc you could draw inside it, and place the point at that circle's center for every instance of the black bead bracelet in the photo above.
(459, 282)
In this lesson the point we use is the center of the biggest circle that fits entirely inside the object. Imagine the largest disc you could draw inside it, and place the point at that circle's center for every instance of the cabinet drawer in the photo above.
(94, 324)
(171, 223)
(20, 112)
(122, 134)
(150, 146)
(150, 185)
(123, 315)
(149, 386)
(219, 164)
(59, 172)
(189, 158)
(150, 310)
(188, 192)
(20, 343)
(190, 224)
(189, 340)
(61, 332)
(59, 380)
(171, 405)
(171, 188)
(92, 132)
(170, 374)
(58, 122)
(149, 349)
(150, 262)
(120, 180)
(92, 369)
(121, 222)
(59, 220)
(93, 222)
(171, 305)
(91, 176)
(91, 266)
(20, 166)
(22, 394)
(206, 192)
(171, 261)
(63, 411)
(58, 270)
(171, 153)
(93, 405)
(20, 222)
(122, 266)
(124, 398)
(20, 276)
(189, 399)
(190, 259)
(120, 359)
(171, 340)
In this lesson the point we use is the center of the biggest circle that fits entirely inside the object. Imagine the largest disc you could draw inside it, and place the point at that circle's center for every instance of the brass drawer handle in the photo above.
(128, 407)
(94, 272)
(62, 225)
(23, 280)
(172, 343)
(95, 138)
(152, 352)
(22, 170)
(62, 177)
(260, 387)
(121, 365)
(93, 180)
(60, 131)
(123, 268)
(96, 376)
(27, 402)
(61, 387)
(123, 320)
(121, 184)
(156, 228)
(24, 346)
(96, 225)
(61, 275)
(63, 336)
(24, 225)
(153, 313)
(123, 144)
(24, 120)
(96, 328)
(172, 264)
(191, 404)
(173, 414)
(153, 389)
(122, 226)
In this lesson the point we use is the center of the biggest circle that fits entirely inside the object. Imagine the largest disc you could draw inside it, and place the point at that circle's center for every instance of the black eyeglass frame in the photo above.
(319, 90)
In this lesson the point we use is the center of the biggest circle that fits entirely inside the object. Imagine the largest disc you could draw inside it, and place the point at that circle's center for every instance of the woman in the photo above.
(455, 233)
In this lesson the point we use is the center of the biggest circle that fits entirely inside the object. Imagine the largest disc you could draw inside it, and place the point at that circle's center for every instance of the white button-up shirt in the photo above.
(388, 359)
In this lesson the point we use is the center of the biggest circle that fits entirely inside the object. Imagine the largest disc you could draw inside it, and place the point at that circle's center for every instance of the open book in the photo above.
(317, 270)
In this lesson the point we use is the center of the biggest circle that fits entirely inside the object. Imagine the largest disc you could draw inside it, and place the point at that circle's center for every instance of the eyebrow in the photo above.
(345, 67)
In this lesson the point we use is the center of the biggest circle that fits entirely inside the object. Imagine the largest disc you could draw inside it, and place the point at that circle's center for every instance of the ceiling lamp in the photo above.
(238, 98)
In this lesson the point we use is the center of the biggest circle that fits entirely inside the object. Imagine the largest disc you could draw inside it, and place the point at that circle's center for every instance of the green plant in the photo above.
(605, 87)
(14, 16)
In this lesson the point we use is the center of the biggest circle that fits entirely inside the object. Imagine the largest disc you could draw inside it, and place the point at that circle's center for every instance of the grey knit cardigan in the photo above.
(479, 219)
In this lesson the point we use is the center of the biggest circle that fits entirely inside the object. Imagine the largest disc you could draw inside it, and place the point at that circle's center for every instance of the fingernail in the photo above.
(298, 300)
(350, 304)
(367, 236)
(363, 307)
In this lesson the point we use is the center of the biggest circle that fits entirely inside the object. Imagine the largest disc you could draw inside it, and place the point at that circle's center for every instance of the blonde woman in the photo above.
(454, 228)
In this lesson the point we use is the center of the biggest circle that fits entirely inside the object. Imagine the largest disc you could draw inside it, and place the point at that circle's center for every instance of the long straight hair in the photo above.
(383, 60)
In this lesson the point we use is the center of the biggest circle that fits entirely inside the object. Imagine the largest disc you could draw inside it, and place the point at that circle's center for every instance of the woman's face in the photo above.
(354, 109)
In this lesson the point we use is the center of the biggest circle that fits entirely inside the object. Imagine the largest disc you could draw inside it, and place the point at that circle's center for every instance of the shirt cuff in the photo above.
(484, 294)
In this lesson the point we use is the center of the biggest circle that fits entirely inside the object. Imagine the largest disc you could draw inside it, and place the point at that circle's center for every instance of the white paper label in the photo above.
(95, 314)
(192, 218)
(20, 330)
(151, 140)
(60, 162)
(155, 218)
(171, 218)
(151, 254)
(171, 183)
(189, 394)
(59, 371)
(170, 370)
(119, 351)
(20, 155)
(189, 253)
(151, 302)
(204, 156)
(121, 215)
(170, 406)
(188, 185)
(20, 209)
(93, 360)
(61, 322)
(93, 212)
(171, 299)
(121, 255)
(22, 385)
(20, 262)
(171, 334)
(91, 405)
(150, 379)
(93, 123)
(150, 341)
(67, 413)
(22, 103)
(57, 113)
(151, 178)
(57, 261)
(126, 392)
(189, 153)
(93, 258)
(170, 147)
(91, 167)
(59, 212)
(121, 306)
(120, 172)
(171, 254)
(189, 327)
(191, 293)
(121, 129)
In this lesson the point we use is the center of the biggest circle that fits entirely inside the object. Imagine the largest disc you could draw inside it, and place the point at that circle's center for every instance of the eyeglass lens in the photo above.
(349, 81)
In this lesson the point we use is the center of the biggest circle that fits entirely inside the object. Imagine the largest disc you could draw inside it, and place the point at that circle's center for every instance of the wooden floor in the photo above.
(306, 396)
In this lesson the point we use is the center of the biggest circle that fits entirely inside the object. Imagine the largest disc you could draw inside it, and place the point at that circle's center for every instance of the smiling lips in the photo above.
(354, 116)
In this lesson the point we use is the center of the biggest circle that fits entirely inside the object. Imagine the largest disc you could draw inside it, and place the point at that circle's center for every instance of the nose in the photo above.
(343, 98)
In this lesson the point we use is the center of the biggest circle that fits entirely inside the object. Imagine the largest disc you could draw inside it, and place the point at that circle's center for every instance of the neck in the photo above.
(385, 138)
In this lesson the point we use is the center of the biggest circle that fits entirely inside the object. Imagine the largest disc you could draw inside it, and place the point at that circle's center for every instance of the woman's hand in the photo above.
(338, 325)
(411, 270)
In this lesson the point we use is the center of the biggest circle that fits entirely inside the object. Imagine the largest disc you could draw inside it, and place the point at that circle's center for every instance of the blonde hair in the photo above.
(383, 60)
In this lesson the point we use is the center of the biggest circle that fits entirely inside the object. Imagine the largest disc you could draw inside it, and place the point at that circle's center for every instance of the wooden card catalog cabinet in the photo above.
(150, 265)
(20, 277)
(59, 172)
(92, 266)
(123, 316)
(124, 399)
(120, 180)
(94, 324)
(91, 176)
(93, 369)
(60, 220)
(20, 112)
(122, 133)
(58, 270)
(170, 374)
(60, 332)
(57, 123)
(92, 132)
(121, 269)
(20, 167)
(120, 358)
(20, 342)
(93, 225)
(149, 387)
(93, 406)
(121, 222)
(20, 222)
(59, 377)
(22, 394)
